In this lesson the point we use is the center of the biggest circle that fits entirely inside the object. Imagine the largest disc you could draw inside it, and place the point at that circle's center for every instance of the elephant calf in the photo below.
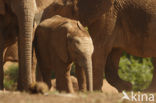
(59, 42)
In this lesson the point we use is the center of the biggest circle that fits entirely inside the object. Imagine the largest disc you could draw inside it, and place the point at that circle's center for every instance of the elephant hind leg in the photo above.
(63, 80)
(111, 71)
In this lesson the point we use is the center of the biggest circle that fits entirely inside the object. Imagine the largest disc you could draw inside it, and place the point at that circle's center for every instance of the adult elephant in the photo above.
(129, 26)
(21, 13)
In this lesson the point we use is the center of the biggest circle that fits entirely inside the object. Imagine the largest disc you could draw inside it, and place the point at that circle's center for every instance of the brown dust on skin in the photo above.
(132, 25)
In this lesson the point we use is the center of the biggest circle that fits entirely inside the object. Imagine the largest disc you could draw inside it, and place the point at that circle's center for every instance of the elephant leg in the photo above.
(39, 76)
(111, 71)
(34, 63)
(46, 73)
(1, 69)
(80, 74)
(99, 59)
(63, 80)
(152, 86)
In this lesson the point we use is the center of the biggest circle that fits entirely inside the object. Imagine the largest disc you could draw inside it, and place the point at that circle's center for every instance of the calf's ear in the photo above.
(2, 7)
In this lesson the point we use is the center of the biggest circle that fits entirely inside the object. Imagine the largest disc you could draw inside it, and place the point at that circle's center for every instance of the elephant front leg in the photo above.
(98, 68)
(34, 63)
(81, 77)
(111, 71)
(63, 79)
(39, 76)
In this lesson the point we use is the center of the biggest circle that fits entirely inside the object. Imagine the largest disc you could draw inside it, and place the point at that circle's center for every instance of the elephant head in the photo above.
(86, 11)
(80, 50)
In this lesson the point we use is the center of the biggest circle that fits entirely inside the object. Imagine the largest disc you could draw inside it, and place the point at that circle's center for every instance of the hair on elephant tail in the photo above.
(38, 87)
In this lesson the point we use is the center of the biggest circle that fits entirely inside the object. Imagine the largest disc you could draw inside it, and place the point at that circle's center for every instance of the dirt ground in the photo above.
(54, 97)
(109, 95)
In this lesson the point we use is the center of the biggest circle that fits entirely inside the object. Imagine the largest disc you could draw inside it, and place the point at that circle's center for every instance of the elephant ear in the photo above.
(2, 7)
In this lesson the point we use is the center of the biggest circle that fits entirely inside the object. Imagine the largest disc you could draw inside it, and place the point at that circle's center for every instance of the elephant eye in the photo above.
(78, 42)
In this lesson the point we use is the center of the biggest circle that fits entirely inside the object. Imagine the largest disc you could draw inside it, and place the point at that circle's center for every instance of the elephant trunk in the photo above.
(25, 15)
(89, 74)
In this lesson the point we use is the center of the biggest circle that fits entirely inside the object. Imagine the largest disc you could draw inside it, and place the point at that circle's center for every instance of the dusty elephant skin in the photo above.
(17, 17)
(129, 26)
(14, 12)
(87, 11)
(59, 42)
(24, 12)
(125, 22)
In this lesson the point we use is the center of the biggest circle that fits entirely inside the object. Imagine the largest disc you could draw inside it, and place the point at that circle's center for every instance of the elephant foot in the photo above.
(123, 85)
(97, 88)
(119, 84)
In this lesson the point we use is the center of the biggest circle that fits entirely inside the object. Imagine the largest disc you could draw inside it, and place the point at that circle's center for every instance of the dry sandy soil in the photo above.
(109, 95)
(54, 97)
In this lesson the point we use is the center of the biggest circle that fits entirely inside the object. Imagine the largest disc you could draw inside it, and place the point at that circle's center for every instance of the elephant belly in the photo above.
(143, 46)
(139, 42)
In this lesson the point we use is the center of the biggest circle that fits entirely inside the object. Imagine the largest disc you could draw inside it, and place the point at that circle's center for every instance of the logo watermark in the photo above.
(138, 97)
